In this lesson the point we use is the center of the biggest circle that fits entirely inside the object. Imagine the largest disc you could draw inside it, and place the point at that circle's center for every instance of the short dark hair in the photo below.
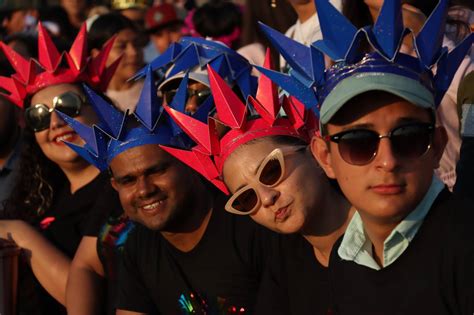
(106, 26)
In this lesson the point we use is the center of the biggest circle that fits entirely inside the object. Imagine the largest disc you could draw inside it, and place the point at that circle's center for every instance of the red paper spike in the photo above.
(99, 63)
(21, 66)
(295, 110)
(267, 93)
(197, 130)
(78, 51)
(230, 108)
(48, 55)
(262, 111)
(108, 73)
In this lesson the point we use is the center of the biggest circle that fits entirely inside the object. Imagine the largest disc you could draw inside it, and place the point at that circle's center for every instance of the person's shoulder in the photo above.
(457, 213)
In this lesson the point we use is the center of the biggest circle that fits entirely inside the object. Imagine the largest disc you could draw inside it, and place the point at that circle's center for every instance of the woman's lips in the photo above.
(388, 189)
(282, 214)
(67, 136)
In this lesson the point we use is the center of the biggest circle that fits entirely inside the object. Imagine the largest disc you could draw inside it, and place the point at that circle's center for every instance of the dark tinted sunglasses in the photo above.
(270, 173)
(201, 95)
(38, 116)
(360, 146)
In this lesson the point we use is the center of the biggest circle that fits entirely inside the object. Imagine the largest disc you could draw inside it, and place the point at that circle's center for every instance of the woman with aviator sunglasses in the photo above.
(265, 165)
(56, 189)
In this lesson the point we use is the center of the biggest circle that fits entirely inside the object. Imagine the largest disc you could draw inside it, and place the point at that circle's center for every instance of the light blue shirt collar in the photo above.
(357, 247)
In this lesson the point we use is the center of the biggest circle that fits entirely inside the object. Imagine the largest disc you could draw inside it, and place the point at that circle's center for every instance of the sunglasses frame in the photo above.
(279, 154)
(336, 138)
(49, 110)
(189, 93)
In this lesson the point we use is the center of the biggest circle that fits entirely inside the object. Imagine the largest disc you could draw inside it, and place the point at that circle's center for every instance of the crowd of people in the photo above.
(238, 157)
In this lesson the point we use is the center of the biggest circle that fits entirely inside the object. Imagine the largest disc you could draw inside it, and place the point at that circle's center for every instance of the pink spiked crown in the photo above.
(210, 153)
(53, 67)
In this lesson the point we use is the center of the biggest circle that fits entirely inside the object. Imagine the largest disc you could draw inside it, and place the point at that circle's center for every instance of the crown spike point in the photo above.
(448, 65)
(199, 162)
(430, 39)
(295, 111)
(247, 83)
(195, 129)
(221, 66)
(161, 61)
(48, 54)
(292, 86)
(388, 29)
(203, 111)
(86, 155)
(179, 100)
(21, 66)
(229, 107)
(104, 78)
(148, 108)
(99, 62)
(187, 59)
(111, 120)
(267, 93)
(85, 132)
(296, 54)
(337, 30)
(78, 51)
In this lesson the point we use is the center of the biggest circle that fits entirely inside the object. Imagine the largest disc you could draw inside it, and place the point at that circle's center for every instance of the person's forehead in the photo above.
(138, 159)
(376, 105)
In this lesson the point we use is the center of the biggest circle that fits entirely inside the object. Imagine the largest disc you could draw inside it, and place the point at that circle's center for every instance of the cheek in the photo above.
(42, 138)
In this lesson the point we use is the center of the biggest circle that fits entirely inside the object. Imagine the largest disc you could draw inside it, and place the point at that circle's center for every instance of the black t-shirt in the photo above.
(69, 220)
(434, 275)
(223, 269)
(294, 281)
(72, 212)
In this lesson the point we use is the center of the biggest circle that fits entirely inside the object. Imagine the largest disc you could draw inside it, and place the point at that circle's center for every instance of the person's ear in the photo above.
(113, 183)
(440, 139)
(322, 154)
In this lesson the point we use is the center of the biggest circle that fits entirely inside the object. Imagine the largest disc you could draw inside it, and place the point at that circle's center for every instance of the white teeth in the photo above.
(153, 205)
(65, 137)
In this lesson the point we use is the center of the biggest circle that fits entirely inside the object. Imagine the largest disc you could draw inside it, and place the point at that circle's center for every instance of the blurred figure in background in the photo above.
(56, 20)
(76, 11)
(163, 26)
(18, 16)
(134, 10)
(278, 13)
(306, 30)
(128, 44)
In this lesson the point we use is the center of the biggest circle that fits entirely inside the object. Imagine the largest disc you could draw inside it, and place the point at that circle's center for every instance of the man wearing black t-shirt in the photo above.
(186, 254)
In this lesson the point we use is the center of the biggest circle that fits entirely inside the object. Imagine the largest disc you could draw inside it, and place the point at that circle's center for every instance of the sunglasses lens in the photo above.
(246, 201)
(38, 117)
(202, 96)
(358, 147)
(69, 104)
(411, 141)
(271, 172)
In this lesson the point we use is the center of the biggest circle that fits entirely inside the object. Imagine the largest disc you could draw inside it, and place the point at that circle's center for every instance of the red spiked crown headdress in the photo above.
(54, 68)
(210, 153)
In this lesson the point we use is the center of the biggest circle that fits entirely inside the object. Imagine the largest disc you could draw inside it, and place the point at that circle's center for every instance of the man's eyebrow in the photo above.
(358, 126)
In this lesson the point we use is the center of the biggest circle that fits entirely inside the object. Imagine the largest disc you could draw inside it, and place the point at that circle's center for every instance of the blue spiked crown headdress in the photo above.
(117, 132)
(196, 53)
(385, 67)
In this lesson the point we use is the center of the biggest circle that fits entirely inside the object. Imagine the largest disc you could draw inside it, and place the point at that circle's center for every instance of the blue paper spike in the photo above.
(292, 86)
(203, 111)
(161, 61)
(388, 29)
(85, 132)
(148, 106)
(207, 54)
(111, 119)
(179, 100)
(297, 55)
(318, 65)
(221, 66)
(337, 30)
(355, 53)
(188, 59)
(448, 65)
(247, 84)
(175, 129)
(86, 155)
(430, 39)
